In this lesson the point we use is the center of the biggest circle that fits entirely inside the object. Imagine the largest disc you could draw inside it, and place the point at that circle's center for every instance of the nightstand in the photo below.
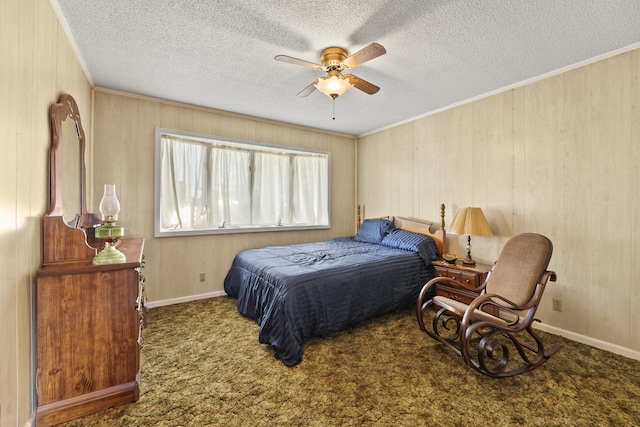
(470, 275)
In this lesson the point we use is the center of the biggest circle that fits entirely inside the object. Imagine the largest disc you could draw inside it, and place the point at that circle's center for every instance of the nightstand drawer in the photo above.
(472, 279)
(445, 272)
(456, 294)
(471, 276)
(463, 296)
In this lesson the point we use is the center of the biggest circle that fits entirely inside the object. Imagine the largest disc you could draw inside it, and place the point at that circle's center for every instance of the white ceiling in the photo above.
(219, 53)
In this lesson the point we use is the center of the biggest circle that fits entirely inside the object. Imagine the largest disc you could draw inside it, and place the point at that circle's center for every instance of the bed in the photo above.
(306, 290)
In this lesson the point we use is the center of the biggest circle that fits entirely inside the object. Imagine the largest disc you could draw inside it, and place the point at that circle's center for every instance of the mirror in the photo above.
(67, 166)
(68, 229)
(71, 165)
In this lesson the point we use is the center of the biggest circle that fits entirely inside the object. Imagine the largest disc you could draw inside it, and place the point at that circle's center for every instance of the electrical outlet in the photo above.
(203, 277)
(557, 304)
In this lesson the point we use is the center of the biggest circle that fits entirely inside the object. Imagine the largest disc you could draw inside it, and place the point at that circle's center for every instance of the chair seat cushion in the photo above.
(459, 308)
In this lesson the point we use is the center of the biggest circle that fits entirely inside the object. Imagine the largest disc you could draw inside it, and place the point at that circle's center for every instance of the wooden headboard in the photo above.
(421, 226)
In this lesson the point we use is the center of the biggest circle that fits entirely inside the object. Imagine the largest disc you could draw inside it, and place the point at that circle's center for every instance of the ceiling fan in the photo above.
(335, 60)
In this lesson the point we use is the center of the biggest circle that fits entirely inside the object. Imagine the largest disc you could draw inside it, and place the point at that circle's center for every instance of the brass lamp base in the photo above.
(468, 260)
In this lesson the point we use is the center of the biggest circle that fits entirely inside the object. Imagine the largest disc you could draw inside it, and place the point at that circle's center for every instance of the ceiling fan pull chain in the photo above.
(334, 108)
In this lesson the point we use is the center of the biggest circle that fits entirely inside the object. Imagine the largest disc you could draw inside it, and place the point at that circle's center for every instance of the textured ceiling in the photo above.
(219, 53)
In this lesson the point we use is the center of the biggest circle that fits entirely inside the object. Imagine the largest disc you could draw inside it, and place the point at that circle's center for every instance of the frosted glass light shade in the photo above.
(333, 86)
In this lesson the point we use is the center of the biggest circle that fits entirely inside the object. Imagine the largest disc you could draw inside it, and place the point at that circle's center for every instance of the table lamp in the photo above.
(470, 221)
(110, 231)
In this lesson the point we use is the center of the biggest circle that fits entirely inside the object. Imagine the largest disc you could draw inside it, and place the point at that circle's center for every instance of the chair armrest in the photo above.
(433, 283)
(421, 305)
(478, 290)
(548, 275)
(494, 300)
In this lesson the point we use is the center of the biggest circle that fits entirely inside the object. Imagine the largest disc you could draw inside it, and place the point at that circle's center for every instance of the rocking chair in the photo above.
(513, 289)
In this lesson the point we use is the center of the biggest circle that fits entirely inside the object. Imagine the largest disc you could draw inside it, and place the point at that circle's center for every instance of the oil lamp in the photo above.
(109, 231)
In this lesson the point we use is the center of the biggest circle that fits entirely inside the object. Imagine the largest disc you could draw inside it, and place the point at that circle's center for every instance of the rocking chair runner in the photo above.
(515, 286)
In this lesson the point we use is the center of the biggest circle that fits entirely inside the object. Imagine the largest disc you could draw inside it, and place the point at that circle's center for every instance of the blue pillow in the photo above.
(415, 242)
(373, 230)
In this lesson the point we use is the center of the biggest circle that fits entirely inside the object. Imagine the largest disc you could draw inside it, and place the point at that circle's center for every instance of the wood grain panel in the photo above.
(493, 154)
(557, 156)
(403, 171)
(428, 169)
(578, 189)
(543, 166)
(543, 154)
(32, 45)
(374, 183)
(634, 321)
(611, 121)
(519, 159)
(11, 274)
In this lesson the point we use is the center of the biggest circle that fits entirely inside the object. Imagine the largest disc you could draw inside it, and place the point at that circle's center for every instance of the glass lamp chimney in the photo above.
(109, 205)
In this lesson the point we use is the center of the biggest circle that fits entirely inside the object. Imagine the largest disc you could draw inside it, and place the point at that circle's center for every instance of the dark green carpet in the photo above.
(202, 365)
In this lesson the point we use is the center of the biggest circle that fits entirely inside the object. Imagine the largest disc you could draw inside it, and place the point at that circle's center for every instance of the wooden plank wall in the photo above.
(124, 134)
(559, 156)
(38, 64)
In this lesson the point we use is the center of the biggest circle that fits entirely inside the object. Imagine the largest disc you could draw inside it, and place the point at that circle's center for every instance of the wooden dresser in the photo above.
(89, 321)
(88, 317)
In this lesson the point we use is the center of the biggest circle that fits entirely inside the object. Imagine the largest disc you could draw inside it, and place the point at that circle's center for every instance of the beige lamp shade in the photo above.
(470, 222)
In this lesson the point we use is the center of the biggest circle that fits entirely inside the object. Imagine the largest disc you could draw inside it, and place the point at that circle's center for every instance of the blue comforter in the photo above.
(310, 290)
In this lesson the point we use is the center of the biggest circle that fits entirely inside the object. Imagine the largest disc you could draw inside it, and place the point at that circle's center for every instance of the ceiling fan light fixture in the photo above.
(334, 61)
(333, 85)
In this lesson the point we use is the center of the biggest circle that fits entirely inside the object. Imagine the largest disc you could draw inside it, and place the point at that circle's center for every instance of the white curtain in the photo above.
(183, 191)
(310, 190)
(230, 187)
(271, 191)
(205, 186)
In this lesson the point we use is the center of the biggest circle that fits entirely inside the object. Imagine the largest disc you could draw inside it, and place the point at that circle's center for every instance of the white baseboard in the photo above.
(160, 303)
(593, 342)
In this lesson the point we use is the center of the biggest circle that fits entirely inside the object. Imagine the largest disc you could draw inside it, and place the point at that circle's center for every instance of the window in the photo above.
(207, 185)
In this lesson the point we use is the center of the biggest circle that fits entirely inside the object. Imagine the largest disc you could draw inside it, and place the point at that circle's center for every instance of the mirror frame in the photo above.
(62, 242)
(66, 108)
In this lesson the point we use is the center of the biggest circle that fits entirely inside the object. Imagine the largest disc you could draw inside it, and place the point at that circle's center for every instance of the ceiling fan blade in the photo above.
(365, 54)
(296, 61)
(308, 90)
(361, 84)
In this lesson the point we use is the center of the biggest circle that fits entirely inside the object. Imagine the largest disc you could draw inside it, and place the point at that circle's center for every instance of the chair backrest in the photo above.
(520, 266)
